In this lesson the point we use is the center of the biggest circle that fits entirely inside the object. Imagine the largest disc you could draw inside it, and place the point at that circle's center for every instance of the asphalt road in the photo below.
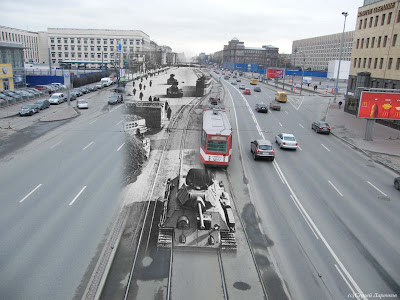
(332, 214)
(58, 198)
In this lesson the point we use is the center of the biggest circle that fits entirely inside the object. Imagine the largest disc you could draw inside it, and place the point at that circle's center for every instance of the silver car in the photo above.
(262, 149)
(286, 140)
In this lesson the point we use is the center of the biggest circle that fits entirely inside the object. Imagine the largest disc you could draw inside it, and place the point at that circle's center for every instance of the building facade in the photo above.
(315, 53)
(236, 56)
(12, 73)
(376, 52)
(29, 40)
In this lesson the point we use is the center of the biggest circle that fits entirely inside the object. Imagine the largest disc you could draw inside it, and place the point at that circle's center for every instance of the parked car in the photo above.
(261, 107)
(238, 80)
(84, 90)
(57, 98)
(321, 127)
(234, 83)
(28, 110)
(286, 140)
(7, 98)
(82, 104)
(43, 88)
(42, 104)
(257, 88)
(78, 92)
(242, 86)
(275, 105)
(36, 92)
(247, 92)
(99, 85)
(60, 85)
(13, 95)
(92, 88)
(22, 94)
(262, 149)
(115, 99)
(73, 96)
(397, 183)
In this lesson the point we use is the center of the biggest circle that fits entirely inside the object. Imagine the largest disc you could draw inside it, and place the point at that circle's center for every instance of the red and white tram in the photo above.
(216, 139)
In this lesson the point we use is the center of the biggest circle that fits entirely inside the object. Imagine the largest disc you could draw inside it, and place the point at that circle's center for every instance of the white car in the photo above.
(57, 98)
(286, 140)
(82, 104)
(242, 86)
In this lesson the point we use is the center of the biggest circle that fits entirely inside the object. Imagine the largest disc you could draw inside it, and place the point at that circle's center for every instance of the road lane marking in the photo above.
(55, 145)
(120, 147)
(93, 121)
(30, 193)
(280, 124)
(87, 146)
(118, 106)
(301, 125)
(308, 223)
(335, 188)
(299, 148)
(286, 112)
(377, 189)
(76, 197)
(279, 174)
(325, 147)
(119, 122)
(345, 280)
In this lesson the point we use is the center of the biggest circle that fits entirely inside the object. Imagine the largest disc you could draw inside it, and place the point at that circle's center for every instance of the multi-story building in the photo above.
(315, 53)
(28, 39)
(238, 57)
(375, 61)
(12, 74)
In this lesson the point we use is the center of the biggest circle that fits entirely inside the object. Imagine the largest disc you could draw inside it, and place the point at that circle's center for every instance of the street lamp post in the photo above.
(302, 73)
(345, 14)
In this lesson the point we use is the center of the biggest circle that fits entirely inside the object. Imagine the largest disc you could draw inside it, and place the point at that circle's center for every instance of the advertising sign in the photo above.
(275, 73)
(379, 106)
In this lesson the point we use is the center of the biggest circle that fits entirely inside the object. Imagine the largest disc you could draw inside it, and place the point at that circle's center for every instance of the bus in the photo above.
(254, 81)
(216, 138)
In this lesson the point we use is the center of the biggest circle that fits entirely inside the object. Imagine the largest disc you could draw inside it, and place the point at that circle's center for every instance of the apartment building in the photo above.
(29, 40)
(316, 53)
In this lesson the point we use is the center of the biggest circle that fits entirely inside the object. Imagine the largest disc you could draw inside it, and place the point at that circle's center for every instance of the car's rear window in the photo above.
(289, 138)
(265, 147)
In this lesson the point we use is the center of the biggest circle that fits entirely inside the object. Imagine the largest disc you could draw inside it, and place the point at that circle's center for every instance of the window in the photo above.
(203, 139)
(78, 40)
(72, 54)
(91, 41)
(79, 55)
(365, 23)
(92, 55)
(52, 48)
(104, 41)
(111, 49)
(375, 63)
(59, 54)
(137, 42)
(367, 44)
(360, 24)
(364, 63)
(217, 146)
(98, 55)
(86, 55)
(379, 42)
(79, 48)
(362, 43)
(98, 41)
(385, 40)
(105, 48)
(98, 49)
(52, 41)
(112, 55)
(383, 19)
(66, 55)
(358, 43)
(111, 42)
(73, 48)
(394, 40)
(359, 63)
(105, 55)
(398, 64)
(59, 48)
(131, 49)
(373, 42)
(85, 41)
(390, 63)
(66, 48)
(370, 22)
(91, 48)
(124, 42)
(130, 42)
(369, 63)
(124, 49)
(381, 63)
(65, 40)
(72, 40)
(59, 40)
(53, 54)
(389, 18)
(376, 21)
(398, 17)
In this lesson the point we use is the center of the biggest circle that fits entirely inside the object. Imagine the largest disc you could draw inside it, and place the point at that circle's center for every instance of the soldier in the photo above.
(150, 83)
(133, 83)
(141, 96)
(144, 87)
(150, 99)
(134, 91)
(140, 86)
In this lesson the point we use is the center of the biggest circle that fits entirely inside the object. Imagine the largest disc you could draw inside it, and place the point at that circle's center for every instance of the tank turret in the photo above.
(197, 214)
(174, 92)
(171, 80)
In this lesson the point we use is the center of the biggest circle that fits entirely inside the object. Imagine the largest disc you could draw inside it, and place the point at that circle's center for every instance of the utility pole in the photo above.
(302, 73)
(345, 14)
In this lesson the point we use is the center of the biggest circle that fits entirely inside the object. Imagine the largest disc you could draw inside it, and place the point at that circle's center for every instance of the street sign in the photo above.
(67, 79)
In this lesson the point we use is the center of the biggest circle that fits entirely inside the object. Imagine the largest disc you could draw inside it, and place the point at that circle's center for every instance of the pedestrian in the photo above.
(150, 99)
(308, 84)
(169, 112)
(320, 83)
(122, 99)
(141, 79)
(150, 83)
(340, 104)
(140, 86)
(141, 96)
(134, 91)
(144, 87)
(133, 83)
(147, 76)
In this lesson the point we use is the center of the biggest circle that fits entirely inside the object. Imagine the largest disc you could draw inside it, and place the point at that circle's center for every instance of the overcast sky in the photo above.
(191, 26)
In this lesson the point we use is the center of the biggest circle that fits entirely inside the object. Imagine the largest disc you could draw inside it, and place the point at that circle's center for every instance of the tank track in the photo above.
(228, 241)
(164, 237)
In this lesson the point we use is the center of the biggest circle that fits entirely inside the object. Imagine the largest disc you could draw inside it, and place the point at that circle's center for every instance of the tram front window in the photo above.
(217, 146)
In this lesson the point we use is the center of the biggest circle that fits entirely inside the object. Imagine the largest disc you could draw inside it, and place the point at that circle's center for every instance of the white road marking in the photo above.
(93, 121)
(115, 108)
(87, 146)
(335, 188)
(299, 148)
(30, 193)
(377, 188)
(286, 112)
(280, 124)
(345, 280)
(325, 147)
(55, 145)
(120, 147)
(76, 197)
(279, 174)
(301, 125)
(119, 122)
(308, 223)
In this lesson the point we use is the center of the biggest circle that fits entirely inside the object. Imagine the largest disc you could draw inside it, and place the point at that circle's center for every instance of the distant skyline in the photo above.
(191, 27)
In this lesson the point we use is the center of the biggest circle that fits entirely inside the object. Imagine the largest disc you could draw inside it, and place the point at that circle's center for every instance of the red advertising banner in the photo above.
(275, 73)
(379, 106)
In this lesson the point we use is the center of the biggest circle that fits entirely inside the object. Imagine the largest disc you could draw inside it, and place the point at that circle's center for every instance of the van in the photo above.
(254, 81)
(281, 96)
(107, 80)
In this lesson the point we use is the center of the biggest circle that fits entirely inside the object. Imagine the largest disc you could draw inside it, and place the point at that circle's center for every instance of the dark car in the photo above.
(321, 127)
(115, 99)
(275, 105)
(397, 183)
(73, 96)
(84, 90)
(257, 88)
(78, 92)
(44, 88)
(262, 149)
(6, 98)
(28, 110)
(42, 104)
(261, 107)
(13, 95)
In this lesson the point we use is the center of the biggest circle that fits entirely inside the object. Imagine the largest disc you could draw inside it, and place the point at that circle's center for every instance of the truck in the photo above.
(107, 80)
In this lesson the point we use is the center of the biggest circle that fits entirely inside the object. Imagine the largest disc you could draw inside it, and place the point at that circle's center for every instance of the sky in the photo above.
(191, 26)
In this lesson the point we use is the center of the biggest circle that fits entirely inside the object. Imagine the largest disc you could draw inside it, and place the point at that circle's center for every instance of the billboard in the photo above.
(375, 105)
(275, 73)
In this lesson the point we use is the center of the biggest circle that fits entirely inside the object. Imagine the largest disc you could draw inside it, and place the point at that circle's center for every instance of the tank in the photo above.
(197, 214)
(172, 80)
(174, 92)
